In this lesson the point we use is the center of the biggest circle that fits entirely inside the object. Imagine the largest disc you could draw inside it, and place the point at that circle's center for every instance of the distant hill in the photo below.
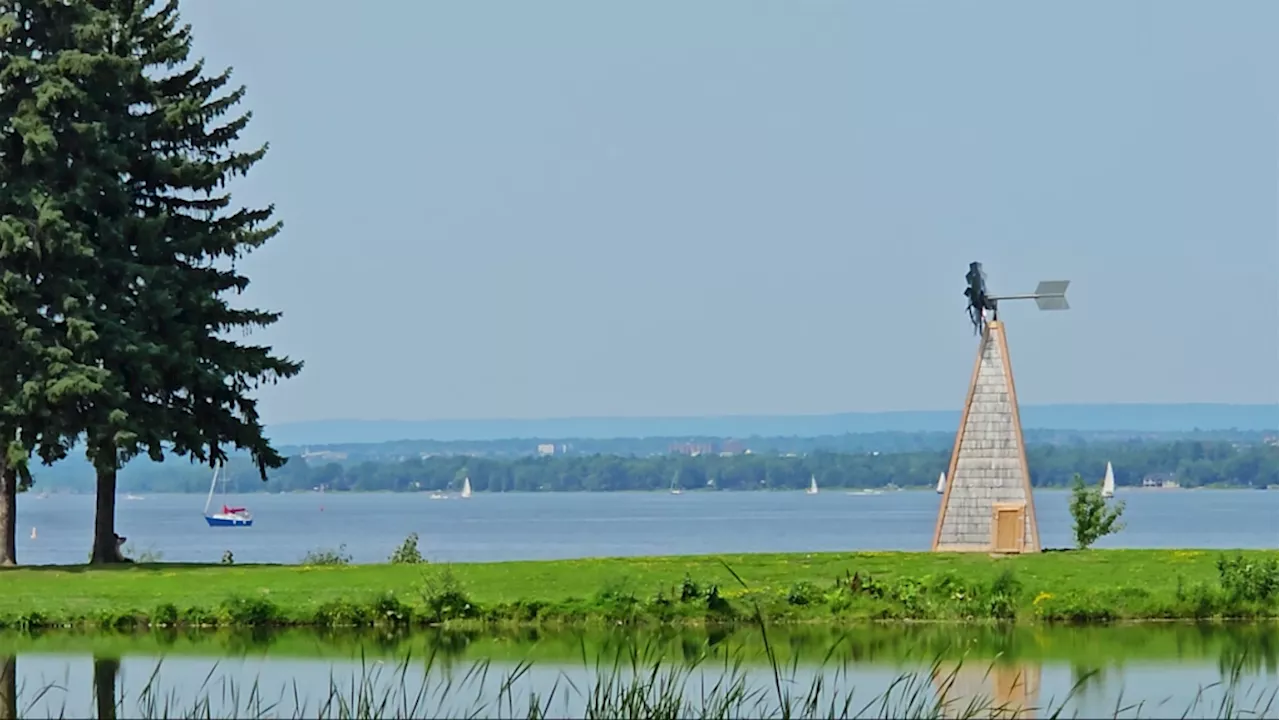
(1128, 417)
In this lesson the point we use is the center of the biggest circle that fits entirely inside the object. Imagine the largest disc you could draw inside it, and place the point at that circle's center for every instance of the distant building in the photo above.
(690, 449)
(323, 456)
(547, 449)
(1160, 480)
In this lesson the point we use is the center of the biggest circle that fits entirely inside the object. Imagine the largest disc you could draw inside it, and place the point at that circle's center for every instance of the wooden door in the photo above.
(1009, 527)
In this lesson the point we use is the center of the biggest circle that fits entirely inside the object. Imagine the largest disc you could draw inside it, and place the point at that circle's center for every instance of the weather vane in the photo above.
(1049, 295)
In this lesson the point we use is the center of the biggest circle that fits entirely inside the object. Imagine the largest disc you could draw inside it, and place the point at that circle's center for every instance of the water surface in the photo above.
(1163, 670)
(544, 526)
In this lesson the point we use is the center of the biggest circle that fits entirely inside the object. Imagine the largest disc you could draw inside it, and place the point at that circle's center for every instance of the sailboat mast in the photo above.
(212, 485)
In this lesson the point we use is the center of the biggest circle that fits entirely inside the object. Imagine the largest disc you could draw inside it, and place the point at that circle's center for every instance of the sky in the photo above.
(558, 209)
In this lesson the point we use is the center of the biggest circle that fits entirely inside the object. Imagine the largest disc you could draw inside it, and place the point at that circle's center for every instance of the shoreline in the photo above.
(46, 493)
(816, 589)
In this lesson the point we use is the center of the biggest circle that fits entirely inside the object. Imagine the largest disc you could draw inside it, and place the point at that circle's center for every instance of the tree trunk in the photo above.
(105, 672)
(8, 513)
(9, 687)
(105, 549)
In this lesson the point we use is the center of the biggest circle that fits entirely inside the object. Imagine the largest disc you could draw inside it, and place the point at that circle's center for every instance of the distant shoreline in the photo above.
(453, 494)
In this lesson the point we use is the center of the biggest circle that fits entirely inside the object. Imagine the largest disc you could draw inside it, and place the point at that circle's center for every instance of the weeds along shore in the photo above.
(326, 591)
(637, 683)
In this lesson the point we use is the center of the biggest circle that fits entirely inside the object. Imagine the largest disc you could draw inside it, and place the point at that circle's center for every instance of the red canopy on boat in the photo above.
(228, 510)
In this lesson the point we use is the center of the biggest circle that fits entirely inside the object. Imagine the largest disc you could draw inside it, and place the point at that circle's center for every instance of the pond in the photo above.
(1147, 670)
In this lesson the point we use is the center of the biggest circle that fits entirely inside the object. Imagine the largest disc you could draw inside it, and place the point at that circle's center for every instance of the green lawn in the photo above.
(1089, 585)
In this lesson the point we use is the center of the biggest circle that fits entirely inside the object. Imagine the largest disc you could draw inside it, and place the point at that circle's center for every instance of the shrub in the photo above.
(717, 605)
(165, 615)
(1246, 581)
(325, 556)
(803, 593)
(617, 601)
(248, 612)
(1004, 592)
(689, 589)
(340, 613)
(387, 609)
(1094, 517)
(408, 552)
(445, 599)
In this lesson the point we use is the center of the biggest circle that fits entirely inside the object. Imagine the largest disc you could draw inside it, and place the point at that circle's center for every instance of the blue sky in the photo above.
(545, 209)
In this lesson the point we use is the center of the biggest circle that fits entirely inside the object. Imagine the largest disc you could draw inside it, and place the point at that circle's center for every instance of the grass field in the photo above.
(1096, 585)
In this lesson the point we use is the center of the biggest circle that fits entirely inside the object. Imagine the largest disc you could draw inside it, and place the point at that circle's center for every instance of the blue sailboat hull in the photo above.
(227, 522)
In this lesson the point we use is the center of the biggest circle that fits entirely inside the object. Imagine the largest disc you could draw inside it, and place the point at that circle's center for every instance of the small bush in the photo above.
(326, 556)
(445, 599)
(1093, 517)
(617, 602)
(1245, 581)
(803, 593)
(165, 615)
(408, 552)
(340, 613)
(388, 610)
(717, 605)
(243, 611)
(689, 590)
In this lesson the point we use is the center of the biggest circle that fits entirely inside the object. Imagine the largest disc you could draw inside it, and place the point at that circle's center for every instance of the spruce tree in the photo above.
(42, 383)
(179, 381)
(157, 240)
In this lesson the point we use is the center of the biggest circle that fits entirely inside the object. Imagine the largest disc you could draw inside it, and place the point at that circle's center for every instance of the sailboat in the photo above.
(942, 483)
(466, 488)
(230, 516)
(813, 486)
(1109, 483)
(675, 487)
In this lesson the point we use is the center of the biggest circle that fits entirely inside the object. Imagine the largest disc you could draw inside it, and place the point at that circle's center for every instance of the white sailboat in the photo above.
(675, 484)
(813, 486)
(466, 487)
(230, 516)
(1109, 483)
(942, 483)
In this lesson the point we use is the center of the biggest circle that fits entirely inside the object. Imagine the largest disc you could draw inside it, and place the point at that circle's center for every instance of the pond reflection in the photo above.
(1150, 670)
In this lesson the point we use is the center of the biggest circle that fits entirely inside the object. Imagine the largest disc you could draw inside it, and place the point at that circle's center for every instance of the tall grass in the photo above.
(634, 682)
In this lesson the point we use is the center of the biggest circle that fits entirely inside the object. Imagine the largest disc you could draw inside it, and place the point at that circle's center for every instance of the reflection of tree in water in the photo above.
(9, 687)
(106, 670)
(241, 641)
(1247, 650)
(449, 644)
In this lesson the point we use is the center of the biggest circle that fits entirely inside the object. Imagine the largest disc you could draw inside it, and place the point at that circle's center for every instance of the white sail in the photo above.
(212, 484)
(942, 483)
(466, 487)
(1108, 483)
(813, 485)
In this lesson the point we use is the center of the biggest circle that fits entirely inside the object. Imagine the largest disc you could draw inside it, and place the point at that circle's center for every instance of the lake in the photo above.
(544, 526)
(1151, 670)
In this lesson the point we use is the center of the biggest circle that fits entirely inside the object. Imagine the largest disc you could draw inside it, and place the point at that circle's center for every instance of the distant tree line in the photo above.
(883, 442)
(1192, 463)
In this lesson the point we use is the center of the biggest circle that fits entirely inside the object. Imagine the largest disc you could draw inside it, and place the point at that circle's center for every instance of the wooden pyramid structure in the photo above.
(987, 505)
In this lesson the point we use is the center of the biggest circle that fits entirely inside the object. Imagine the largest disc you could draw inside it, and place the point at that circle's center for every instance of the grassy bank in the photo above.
(1090, 586)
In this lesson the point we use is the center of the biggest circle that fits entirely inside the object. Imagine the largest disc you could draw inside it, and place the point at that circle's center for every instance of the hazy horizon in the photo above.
(1131, 417)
